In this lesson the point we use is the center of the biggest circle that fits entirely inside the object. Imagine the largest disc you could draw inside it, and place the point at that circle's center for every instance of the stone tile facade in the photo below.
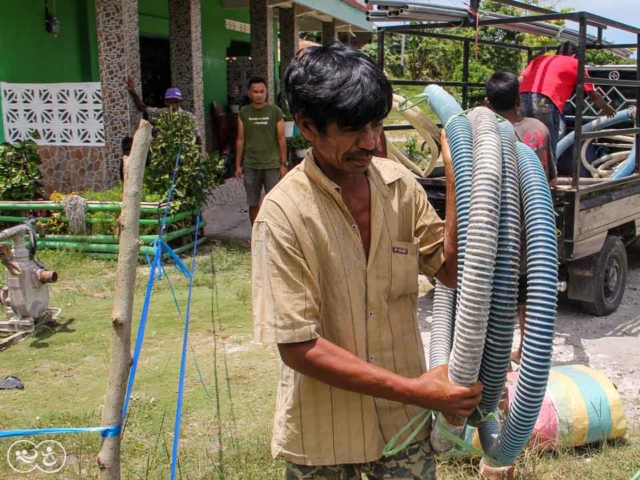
(289, 38)
(69, 169)
(262, 43)
(119, 57)
(185, 29)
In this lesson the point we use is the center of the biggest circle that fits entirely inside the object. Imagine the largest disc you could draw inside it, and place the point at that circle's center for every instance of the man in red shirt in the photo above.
(546, 85)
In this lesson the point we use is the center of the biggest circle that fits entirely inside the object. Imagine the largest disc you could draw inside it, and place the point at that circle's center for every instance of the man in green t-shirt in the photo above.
(261, 146)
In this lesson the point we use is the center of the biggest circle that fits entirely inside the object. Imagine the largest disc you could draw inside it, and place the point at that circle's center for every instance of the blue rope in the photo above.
(156, 264)
(159, 247)
(105, 432)
(183, 361)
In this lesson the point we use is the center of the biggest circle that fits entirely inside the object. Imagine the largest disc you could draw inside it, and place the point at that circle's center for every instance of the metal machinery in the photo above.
(26, 296)
(596, 217)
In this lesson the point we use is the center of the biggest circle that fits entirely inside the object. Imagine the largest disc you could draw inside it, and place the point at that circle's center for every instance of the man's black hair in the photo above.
(502, 91)
(567, 48)
(256, 79)
(335, 83)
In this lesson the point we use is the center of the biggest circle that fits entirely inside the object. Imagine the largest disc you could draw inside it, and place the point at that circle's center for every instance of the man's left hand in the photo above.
(283, 171)
(608, 110)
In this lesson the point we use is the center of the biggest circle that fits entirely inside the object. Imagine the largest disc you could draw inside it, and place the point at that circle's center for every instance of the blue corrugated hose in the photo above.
(593, 126)
(522, 182)
(628, 166)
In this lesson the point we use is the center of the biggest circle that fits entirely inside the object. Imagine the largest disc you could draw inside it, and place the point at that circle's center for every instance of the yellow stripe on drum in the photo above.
(618, 418)
(573, 417)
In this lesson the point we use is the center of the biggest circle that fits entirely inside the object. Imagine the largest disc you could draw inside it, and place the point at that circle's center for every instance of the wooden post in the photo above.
(129, 229)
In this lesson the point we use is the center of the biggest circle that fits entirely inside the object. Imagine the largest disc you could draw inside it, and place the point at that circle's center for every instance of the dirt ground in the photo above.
(609, 344)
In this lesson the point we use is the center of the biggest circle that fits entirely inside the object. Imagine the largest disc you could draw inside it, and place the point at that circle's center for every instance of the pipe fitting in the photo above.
(46, 276)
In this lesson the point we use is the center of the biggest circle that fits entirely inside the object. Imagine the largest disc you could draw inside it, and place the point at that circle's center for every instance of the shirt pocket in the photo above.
(404, 268)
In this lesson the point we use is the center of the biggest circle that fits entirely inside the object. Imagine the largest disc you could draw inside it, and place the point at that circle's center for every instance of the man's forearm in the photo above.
(451, 233)
(239, 153)
(330, 364)
(448, 274)
(283, 152)
(138, 101)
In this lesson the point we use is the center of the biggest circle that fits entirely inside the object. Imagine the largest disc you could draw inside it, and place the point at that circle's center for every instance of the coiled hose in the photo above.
(490, 264)
(597, 124)
(461, 142)
(497, 352)
(542, 285)
(628, 166)
(482, 238)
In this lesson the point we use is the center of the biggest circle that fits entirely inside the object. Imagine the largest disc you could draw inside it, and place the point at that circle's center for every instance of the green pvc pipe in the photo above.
(13, 219)
(91, 207)
(114, 256)
(143, 221)
(93, 247)
(112, 239)
(188, 246)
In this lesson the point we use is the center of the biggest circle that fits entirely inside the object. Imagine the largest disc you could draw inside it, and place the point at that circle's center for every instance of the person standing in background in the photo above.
(502, 98)
(261, 148)
(546, 85)
(172, 102)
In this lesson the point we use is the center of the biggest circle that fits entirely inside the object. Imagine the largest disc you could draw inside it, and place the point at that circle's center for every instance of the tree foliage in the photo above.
(20, 171)
(175, 132)
(433, 59)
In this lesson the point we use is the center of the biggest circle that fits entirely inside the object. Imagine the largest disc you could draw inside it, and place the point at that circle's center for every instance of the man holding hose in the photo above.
(337, 248)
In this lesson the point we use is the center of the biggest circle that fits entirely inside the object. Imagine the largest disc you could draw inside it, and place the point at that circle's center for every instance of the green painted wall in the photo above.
(215, 40)
(153, 17)
(28, 54)
(153, 21)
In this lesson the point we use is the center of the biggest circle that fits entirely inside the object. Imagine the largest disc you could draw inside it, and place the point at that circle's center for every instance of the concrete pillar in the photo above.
(262, 43)
(328, 32)
(289, 38)
(185, 32)
(119, 53)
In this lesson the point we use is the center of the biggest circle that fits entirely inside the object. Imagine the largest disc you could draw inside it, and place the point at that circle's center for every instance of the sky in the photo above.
(626, 11)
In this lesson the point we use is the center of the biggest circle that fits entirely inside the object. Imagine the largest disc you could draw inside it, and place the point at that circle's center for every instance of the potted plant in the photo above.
(289, 125)
(299, 145)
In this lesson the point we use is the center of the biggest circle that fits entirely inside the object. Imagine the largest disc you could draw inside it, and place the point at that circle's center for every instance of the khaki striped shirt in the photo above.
(311, 278)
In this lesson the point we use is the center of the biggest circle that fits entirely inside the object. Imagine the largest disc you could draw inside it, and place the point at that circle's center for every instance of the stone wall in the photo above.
(73, 169)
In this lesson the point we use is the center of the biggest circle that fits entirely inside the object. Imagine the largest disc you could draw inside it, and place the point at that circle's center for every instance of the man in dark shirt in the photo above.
(261, 148)
(503, 98)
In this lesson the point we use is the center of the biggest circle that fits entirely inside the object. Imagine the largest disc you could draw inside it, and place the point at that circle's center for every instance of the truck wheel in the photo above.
(610, 278)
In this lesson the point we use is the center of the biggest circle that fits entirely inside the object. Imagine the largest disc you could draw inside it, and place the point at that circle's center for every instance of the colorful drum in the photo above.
(580, 406)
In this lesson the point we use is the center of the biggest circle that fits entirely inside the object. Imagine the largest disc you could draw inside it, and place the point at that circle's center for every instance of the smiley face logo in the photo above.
(25, 456)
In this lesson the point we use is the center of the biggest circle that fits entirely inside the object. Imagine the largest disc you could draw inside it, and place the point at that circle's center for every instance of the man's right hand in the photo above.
(239, 173)
(435, 391)
(608, 110)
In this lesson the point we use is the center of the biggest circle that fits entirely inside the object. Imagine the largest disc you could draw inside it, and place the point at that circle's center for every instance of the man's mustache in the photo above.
(362, 153)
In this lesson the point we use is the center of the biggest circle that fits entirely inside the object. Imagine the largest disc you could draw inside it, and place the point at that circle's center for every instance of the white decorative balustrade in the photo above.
(62, 114)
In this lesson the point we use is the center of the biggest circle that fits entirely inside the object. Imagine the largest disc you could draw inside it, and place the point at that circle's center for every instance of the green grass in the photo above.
(225, 429)
(65, 373)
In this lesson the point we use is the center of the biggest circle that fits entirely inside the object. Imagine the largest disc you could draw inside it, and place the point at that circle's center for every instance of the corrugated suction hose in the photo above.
(489, 189)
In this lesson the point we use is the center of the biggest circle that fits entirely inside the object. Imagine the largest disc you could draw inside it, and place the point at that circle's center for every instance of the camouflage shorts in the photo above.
(415, 462)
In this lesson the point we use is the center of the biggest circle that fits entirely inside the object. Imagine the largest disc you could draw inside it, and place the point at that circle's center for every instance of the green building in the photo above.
(64, 64)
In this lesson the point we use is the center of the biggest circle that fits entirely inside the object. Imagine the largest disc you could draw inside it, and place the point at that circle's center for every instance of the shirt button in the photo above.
(371, 358)
(370, 314)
